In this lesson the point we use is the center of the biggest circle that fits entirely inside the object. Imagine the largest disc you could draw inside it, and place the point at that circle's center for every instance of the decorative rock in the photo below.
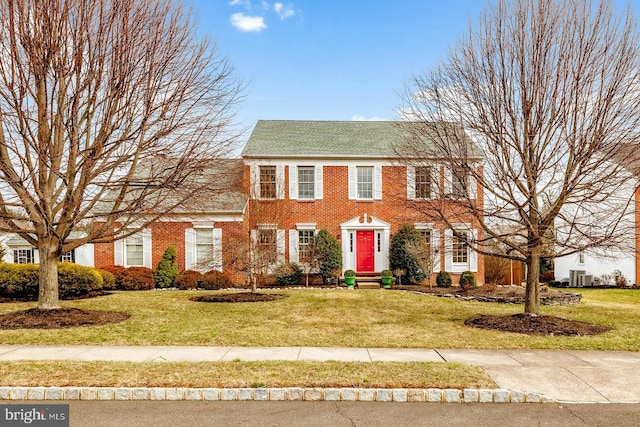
(331, 394)
(4, 393)
(158, 394)
(260, 394)
(211, 394)
(384, 395)
(313, 394)
(349, 394)
(517, 396)
(245, 394)
(366, 395)
(229, 394)
(18, 393)
(277, 394)
(415, 395)
(51, 393)
(106, 393)
(88, 393)
(193, 394)
(486, 395)
(452, 395)
(434, 395)
(501, 396)
(72, 393)
(295, 393)
(125, 394)
(471, 395)
(35, 393)
(140, 393)
(399, 394)
(534, 398)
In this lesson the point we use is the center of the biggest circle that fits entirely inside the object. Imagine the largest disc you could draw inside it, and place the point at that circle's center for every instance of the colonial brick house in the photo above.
(297, 177)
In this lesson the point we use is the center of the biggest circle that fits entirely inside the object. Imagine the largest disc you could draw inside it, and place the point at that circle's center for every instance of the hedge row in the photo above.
(21, 280)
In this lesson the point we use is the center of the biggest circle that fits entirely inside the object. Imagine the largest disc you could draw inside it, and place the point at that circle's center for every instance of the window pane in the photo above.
(134, 249)
(204, 245)
(306, 182)
(304, 245)
(365, 182)
(426, 235)
(23, 256)
(459, 184)
(460, 249)
(423, 182)
(68, 257)
(268, 182)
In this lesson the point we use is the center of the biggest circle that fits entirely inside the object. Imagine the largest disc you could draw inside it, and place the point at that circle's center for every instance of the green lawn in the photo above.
(361, 318)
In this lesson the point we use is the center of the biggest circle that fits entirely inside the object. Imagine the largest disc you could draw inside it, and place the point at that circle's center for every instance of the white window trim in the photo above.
(472, 185)
(318, 192)
(120, 251)
(294, 235)
(190, 246)
(377, 182)
(472, 263)
(436, 250)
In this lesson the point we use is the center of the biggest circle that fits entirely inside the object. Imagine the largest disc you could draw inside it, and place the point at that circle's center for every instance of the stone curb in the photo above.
(430, 395)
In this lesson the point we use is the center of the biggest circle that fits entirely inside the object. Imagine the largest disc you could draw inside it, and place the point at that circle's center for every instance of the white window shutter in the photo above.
(293, 246)
(254, 243)
(319, 182)
(473, 255)
(293, 182)
(280, 181)
(411, 182)
(448, 181)
(473, 185)
(255, 181)
(217, 248)
(377, 182)
(435, 250)
(118, 252)
(353, 182)
(146, 248)
(280, 244)
(189, 248)
(36, 256)
(448, 246)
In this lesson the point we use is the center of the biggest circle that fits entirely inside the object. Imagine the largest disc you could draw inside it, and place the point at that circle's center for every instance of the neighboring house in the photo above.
(297, 177)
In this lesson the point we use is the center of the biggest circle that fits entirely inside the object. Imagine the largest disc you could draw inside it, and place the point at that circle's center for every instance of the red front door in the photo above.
(364, 251)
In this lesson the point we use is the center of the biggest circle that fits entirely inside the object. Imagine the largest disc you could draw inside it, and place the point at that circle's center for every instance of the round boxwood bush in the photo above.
(443, 279)
(468, 280)
(77, 280)
(108, 279)
(288, 274)
(132, 278)
(214, 279)
(188, 279)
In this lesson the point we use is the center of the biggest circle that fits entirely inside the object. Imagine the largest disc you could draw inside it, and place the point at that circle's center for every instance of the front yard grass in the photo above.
(361, 318)
(244, 374)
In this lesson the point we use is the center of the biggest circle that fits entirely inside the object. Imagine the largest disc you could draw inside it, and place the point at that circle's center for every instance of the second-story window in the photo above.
(459, 182)
(365, 182)
(423, 182)
(306, 182)
(267, 182)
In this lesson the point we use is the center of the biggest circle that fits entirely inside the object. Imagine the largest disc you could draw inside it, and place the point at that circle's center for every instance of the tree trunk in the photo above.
(532, 291)
(48, 282)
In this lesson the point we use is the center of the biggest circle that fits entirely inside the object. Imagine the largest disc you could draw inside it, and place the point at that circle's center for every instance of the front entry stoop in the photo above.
(368, 285)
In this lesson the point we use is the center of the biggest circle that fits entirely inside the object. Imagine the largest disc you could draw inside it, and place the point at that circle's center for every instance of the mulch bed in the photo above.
(239, 297)
(59, 318)
(92, 294)
(537, 325)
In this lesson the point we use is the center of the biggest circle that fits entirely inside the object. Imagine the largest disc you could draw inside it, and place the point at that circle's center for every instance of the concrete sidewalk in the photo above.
(564, 375)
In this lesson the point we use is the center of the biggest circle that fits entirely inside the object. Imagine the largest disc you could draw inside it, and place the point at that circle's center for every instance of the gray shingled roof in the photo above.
(324, 139)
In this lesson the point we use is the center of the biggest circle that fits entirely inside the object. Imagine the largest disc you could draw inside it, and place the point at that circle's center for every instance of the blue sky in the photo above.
(331, 59)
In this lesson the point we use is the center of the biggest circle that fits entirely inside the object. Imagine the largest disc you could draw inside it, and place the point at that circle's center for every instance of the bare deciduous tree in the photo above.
(549, 91)
(108, 112)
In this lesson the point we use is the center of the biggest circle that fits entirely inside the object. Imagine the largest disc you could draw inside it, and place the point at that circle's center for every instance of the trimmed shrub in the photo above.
(21, 280)
(76, 280)
(328, 253)
(189, 279)
(443, 279)
(108, 280)
(401, 258)
(349, 273)
(132, 278)
(214, 279)
(468, 280)
(167, 270)
(288, 274)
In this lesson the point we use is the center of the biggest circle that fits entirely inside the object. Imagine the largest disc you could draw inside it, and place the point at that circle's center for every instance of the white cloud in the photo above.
(361, 118)
(248, 23)
(237, 2)
(284, 11)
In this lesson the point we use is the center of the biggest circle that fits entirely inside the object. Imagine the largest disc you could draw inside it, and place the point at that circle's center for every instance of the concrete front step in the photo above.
(368, 285)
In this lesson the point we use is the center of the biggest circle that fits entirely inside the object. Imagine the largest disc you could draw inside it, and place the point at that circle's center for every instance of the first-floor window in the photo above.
(460, 248)
(426, 235)
(134, 249)
(23, 256)
(204, 245)
(68, 256)
(267, 242)
(305, 238)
